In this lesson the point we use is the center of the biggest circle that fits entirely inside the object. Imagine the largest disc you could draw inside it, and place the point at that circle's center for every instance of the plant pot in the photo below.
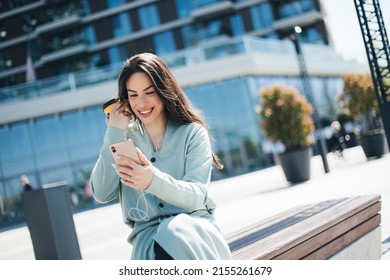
(373, 145)
(296, 164)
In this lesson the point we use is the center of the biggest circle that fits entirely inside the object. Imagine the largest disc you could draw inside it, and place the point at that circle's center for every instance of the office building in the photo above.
(67, 36)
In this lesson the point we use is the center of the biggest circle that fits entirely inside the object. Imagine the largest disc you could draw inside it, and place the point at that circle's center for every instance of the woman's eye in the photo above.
(151, 92)
(132, 95)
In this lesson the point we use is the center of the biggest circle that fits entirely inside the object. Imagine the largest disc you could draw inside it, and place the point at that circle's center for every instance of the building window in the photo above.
(164, 43)
(186, 36)
(202, 3)
(183, 8)
(89, 34)
(194, 34)
(237, 25)
(311, 35)
(121, 25)
(295, 8)
(148, 16)
(261, 16)
(118, 54)
(115, 3)
(114, 54)
(85, 7)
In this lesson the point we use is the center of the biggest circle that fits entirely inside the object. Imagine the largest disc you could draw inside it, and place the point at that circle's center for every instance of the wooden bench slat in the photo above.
(332, 233)
(275, 225)
(299, 216)
(338, 244)
(288, 237)
(342, 226)
(285, 239)
(231, 237)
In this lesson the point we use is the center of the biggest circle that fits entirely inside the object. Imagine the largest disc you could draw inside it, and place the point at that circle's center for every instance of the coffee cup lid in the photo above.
(108, 103)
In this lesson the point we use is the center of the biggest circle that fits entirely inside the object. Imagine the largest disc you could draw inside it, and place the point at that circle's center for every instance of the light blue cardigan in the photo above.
(175, 210)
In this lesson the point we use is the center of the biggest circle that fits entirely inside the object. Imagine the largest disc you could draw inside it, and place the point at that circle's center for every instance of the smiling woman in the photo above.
(164, 196)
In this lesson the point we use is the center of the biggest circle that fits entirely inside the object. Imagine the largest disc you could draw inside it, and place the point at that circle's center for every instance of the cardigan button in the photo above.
(153, 159)
(161, 205)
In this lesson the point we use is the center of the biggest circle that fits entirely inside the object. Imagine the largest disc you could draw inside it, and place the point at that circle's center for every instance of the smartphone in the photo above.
(126, 148)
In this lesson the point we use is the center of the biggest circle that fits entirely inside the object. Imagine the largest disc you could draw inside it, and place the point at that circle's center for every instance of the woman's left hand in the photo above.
(133, 174)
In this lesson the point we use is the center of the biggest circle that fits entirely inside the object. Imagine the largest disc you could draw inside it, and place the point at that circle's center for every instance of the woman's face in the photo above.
(143, 98)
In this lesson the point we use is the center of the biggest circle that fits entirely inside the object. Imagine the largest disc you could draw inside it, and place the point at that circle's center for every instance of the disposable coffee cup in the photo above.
(107, 107)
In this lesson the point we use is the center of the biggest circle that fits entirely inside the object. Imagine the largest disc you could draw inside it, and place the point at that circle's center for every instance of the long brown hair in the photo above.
(178, 107)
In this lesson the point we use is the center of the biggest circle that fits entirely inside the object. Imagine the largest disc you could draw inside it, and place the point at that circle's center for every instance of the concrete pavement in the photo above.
(241, 200)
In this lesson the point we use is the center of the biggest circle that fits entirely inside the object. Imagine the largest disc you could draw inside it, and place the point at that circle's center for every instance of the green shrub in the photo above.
(286, 116)
(359, 101)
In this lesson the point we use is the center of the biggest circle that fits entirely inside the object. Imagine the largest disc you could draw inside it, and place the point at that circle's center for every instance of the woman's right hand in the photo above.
(120, 115)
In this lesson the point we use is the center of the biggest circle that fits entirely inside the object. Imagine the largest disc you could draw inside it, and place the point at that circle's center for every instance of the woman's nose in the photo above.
(142, 100)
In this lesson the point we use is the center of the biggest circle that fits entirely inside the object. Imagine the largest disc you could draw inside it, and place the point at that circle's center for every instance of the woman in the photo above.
(164, 198)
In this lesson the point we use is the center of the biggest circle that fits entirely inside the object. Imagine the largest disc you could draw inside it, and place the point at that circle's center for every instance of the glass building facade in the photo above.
(67, 36)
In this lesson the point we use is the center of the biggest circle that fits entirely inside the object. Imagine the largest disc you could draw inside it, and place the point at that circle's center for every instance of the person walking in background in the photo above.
(338, 139)
(25, 183)
(163, 194)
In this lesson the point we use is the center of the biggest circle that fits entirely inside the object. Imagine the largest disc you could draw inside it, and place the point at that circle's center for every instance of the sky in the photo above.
(344, 27)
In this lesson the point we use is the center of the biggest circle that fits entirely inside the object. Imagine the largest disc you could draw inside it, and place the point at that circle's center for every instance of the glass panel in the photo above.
(121, 25)
(85, 7)
(148, 16)
(202, 3)
(183, 8)
(164, 43)
(15, 141)
(115, 54)
(261, 16)
(227, 106)
(89, 126)
(18, 166)
(186, 36)
(224, 51)
(16, 152)
(271, 35)
(49, 142)
(63, 173)
(311, 35)
(114, 3)
(196, 33)
(237, 25)
(89, 34)
(295, 8)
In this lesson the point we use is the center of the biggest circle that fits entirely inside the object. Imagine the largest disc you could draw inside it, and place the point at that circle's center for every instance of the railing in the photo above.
(62, 83)
(196, 55)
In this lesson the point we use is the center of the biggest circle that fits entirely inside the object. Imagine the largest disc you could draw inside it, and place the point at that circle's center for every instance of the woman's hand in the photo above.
(133, 174)
(120, 115)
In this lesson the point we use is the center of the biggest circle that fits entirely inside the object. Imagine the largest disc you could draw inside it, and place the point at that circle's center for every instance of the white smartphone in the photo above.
(126, 148)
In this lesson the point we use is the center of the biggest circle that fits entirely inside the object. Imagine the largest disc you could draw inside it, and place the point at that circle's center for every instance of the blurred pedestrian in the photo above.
(338, 139)
(26, 183)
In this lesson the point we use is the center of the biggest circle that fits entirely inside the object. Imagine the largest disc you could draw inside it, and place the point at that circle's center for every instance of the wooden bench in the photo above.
(315, 231)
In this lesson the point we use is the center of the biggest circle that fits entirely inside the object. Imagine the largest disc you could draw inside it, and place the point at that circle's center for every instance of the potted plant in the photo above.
(359, 100)
(286, 118)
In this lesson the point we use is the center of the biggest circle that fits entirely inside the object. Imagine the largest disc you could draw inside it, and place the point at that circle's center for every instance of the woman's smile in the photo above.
(145, 113)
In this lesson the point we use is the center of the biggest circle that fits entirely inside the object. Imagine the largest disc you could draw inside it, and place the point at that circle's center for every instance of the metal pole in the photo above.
(377, 48)
(309, 95)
